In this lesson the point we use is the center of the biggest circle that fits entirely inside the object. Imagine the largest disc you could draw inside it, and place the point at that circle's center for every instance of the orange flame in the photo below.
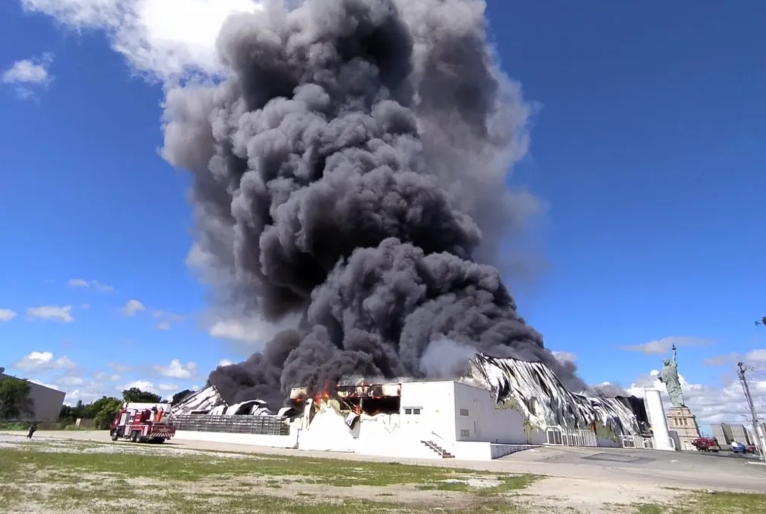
(323, 395)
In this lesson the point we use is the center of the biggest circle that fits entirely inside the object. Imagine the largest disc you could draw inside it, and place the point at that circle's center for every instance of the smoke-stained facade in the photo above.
(351, 169)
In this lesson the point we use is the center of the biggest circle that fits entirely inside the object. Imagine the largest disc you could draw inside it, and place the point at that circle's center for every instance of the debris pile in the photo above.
(537, 392)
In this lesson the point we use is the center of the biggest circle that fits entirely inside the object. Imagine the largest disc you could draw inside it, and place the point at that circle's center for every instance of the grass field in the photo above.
(69, 476)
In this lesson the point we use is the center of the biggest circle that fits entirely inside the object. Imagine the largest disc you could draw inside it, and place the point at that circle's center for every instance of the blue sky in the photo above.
(645, 149)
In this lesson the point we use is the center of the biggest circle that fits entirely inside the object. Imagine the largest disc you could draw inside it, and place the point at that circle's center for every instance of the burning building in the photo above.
(496, 408)
(349, 171)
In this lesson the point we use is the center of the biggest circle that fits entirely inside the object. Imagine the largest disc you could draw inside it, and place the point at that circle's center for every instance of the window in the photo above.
(465, 433)
(412, 411)
(464, 412)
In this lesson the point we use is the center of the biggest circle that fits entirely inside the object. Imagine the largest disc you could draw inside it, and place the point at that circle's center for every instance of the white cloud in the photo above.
(225, 362)
(51, 312)
(38, 361)
(255, 331)
(165, 320)
(84, 395)
(29, 74)
(756, 356)
(132, 307)
(7, 315)
(45, 384)
(89, 284)
(90, 387)
(106, 377)
(119, 368)
(28, 71)
(166, 39)
(144, 385)
(87, 389)
(710, 404)
(177, 370)
(70, 381)
(661, 346)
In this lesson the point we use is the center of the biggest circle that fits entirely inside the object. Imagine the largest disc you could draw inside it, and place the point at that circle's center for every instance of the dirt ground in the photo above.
(606, 483)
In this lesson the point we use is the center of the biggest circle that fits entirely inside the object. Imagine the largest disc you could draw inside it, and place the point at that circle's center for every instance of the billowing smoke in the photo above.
(351, 168)
(444, 358)
(607, 390)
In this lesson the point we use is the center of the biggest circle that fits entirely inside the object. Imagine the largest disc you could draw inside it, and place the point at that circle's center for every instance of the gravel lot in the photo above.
(591, 481)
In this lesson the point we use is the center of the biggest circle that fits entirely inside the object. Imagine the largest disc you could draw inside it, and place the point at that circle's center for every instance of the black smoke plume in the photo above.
(350, 168)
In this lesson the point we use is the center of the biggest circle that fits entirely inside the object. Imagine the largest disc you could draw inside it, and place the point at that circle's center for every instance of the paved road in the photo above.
(683, 470)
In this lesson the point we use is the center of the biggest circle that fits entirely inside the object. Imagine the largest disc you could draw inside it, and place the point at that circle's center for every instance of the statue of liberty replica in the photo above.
(681, 421)
(669, 377)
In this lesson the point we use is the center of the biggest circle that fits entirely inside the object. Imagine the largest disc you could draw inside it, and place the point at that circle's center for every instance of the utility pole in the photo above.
(757, 431)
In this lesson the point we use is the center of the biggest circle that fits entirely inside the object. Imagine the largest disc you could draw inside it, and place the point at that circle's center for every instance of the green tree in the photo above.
(14, 398)
(136, 395)
(70, 413)
(105, 409)
(102, 411)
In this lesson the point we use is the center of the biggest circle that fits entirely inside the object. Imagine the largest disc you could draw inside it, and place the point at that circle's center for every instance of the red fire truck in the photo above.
(706, 444)
(142, 423)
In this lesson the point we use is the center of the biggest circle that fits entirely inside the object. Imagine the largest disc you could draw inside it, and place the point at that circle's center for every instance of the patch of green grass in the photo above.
(710, 503)
(645, 508)
(507, 484)
(14, 425)
(186, 468)
(301, 504)
(95, 482)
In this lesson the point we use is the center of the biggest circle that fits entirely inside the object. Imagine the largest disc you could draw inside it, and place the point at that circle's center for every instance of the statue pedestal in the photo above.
(684, 424)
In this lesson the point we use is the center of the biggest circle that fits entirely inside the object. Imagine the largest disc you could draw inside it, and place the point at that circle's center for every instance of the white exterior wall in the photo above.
(165, 407)
(272, 441)
(381, 435)
(436, 401)
(477, 419)
(760, 437)
(658, 420)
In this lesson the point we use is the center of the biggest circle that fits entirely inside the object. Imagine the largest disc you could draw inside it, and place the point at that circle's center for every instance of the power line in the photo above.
(757, 430)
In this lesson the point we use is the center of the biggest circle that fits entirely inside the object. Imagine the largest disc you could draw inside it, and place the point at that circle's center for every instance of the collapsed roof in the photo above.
(536, 390)
(209, 401)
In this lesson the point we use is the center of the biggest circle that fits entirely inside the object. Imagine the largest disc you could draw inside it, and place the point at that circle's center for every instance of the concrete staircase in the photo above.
(438, 449)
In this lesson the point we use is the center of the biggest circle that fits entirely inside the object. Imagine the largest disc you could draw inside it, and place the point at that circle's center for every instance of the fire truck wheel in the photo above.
(134, 436)
(114, 435)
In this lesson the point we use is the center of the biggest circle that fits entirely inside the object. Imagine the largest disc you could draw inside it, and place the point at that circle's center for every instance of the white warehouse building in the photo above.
(436, 419)
(499, 407)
